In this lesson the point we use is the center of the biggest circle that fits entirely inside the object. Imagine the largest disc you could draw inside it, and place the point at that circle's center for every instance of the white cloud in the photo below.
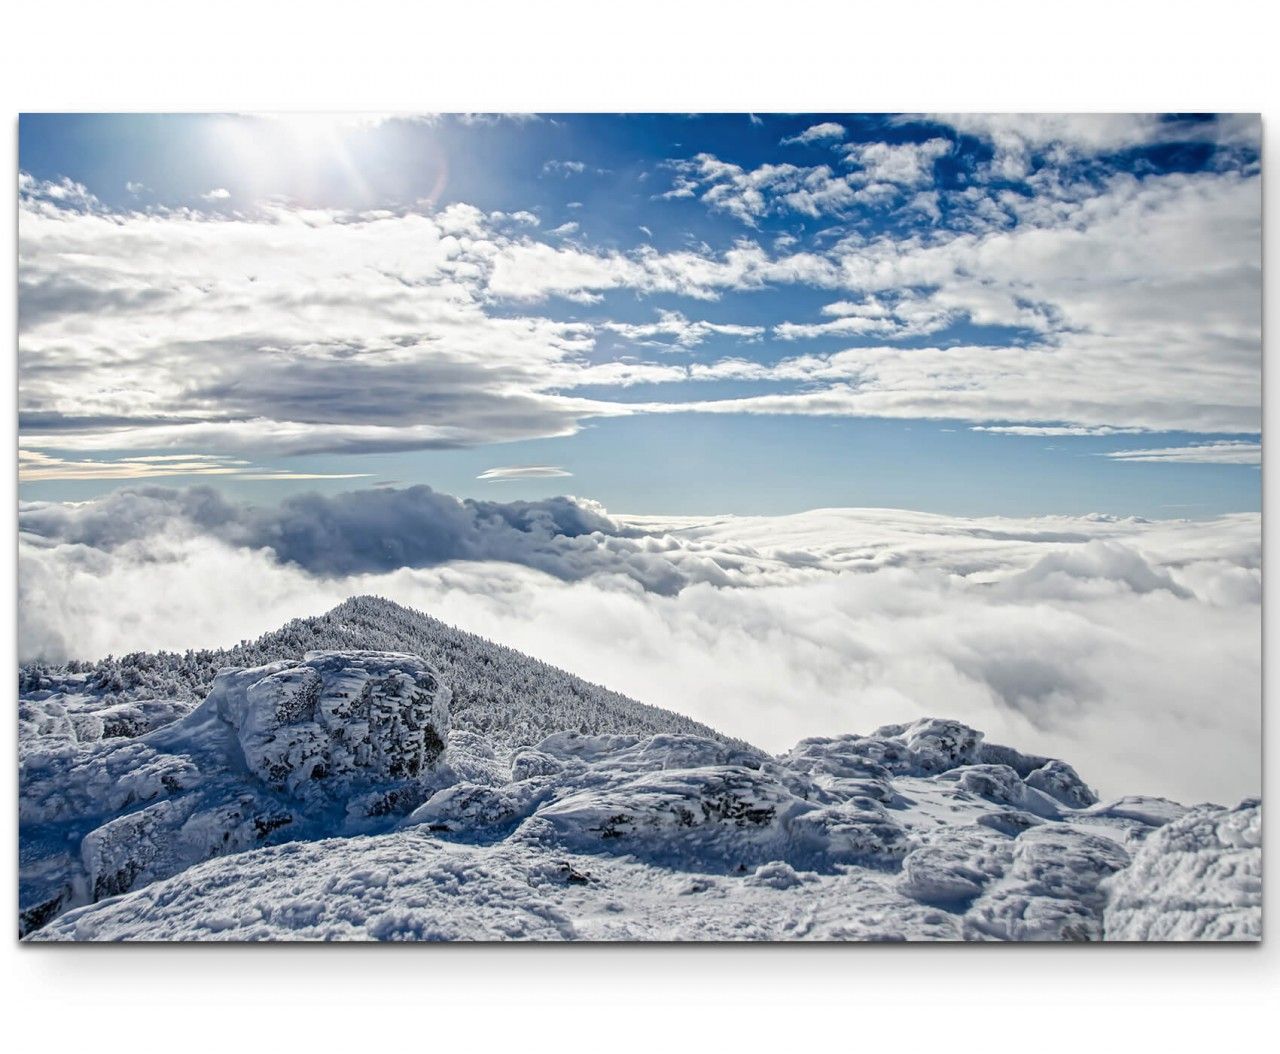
(1053, 430)
(826, 132)
(35, 465)
(904, 164)
(749, 195)
(894, 317)
(564, 168)
(682, 332)
(1144, 299)
(1129, 648)
(528, 270)
(217, 194)
(1235, 452)
(284, 332)
(508, 473)
(490, 118)
(55, 197)
(1016, 137)
(927, 203)
(287, 474)
(1077, 381)
(293, 330)
(881, 173)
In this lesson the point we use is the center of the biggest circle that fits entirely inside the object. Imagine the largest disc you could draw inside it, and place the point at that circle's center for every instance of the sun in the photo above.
(295, 154)
(322, 160)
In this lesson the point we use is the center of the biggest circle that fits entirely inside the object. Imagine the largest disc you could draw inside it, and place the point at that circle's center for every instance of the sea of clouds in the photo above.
(1130, 647)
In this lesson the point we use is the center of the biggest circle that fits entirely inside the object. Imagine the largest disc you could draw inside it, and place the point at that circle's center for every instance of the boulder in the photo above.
(335, 717)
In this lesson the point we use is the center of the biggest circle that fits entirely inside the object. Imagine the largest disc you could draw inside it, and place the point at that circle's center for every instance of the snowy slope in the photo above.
(503, 694)
(332, 796)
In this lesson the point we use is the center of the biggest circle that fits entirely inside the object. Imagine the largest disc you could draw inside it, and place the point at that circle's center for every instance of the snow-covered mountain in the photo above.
(500, 693)
(361, 788)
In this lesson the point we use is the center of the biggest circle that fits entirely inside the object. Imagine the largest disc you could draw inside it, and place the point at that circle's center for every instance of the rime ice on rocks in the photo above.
(509, 698)
(1197, 878)
(299, 749)
(335, 717)
(328, 797)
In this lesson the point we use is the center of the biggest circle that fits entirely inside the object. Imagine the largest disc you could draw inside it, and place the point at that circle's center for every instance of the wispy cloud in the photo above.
(34, 465)
(509, 473)
(1235, 452)
(680, 331)
(750, 194)
(564, 168)
(1054, 430)
(1019, 140)
(302, 475)
(826, 132)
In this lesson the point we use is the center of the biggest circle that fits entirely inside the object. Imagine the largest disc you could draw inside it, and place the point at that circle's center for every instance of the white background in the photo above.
(655, 55)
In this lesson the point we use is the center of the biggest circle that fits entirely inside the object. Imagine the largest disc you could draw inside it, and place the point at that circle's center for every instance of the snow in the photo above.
(1049, 891)
(1197, 878)
(333, 796)
(410, 886)
(334, 717)
(504, 695)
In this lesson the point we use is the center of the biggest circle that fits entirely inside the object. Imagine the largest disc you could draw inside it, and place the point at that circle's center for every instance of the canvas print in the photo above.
(642, 527)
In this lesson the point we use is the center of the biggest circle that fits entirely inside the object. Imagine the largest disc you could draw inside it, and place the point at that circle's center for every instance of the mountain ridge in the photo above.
(511, 698)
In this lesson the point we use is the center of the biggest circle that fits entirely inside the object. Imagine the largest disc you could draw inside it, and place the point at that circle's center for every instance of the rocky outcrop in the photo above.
(1197, 878)
(299, 749)
(335, 716)
(918, 831)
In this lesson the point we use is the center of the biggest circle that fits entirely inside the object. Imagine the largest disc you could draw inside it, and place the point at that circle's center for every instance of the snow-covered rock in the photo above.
(298, 749)
(1001, 785)
(1059, 780)
(333, 797)
(723, 815)
(335, 717)
(965, 882)
(72, 720)
(475, 808)
(413, 886)
(935, 745)
(1197, 878)
(1050, 889)
(956, 865)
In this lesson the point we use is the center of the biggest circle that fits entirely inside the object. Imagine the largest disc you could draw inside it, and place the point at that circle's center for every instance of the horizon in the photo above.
(1067, 635)
(508, 496)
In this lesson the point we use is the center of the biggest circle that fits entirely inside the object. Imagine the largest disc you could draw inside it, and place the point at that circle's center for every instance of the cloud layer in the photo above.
(1058, 288)
(1131, 647)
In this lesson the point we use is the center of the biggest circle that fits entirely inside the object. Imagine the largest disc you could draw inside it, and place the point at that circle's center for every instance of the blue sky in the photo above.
(669, 314)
